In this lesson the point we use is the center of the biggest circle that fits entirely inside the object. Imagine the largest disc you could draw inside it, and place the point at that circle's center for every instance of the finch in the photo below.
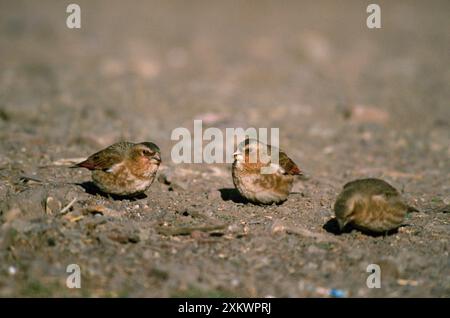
(251, 177)
(124, 168)
(370, 205)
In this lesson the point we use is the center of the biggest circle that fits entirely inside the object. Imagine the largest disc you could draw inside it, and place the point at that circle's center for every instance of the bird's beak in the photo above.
(157, 157)
(342, 223)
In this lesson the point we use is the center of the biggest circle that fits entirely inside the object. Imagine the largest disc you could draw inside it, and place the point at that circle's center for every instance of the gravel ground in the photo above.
(350, 102)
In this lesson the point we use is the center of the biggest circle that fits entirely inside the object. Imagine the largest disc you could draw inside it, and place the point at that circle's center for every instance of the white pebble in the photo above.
(12, 270)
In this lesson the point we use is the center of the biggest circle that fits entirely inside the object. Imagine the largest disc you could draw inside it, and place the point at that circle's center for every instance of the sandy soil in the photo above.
(350, 102)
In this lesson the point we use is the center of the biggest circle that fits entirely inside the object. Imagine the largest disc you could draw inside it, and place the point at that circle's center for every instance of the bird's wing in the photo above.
(288, 165)
(104, 159)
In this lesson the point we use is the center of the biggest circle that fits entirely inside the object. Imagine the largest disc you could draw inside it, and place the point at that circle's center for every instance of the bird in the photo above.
(253, 183)
(370, 205)
(124, 168)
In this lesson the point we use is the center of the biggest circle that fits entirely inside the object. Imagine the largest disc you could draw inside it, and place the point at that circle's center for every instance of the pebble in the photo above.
(214, 195)
(277, 227)
(52, 205)
(12, 270)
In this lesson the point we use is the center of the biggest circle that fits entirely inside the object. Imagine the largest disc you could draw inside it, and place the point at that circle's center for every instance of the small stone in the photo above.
(355, 254)
(214, 195)
(12, 270)
(144, 235)
(199, 235)
(52, 205)
(407, 282)
(235, 282)
(122, 237)
(315, 250)
(311, 266)
(328, 150)
(278, 227)
(178, 186)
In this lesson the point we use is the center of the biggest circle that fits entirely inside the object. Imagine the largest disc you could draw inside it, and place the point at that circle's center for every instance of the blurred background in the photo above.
(140, 69)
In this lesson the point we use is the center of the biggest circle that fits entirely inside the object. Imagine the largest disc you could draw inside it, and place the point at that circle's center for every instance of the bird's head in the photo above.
(146, 153)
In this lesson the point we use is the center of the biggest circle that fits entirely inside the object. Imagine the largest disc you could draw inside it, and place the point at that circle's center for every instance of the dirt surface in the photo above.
(350, 102)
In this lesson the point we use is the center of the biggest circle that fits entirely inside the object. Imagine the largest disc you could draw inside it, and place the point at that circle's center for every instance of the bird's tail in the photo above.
(82, 164)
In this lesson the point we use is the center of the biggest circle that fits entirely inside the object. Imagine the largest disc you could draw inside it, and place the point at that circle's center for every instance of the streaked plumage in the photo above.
(258, 187)
(124, 168)
(370, 205)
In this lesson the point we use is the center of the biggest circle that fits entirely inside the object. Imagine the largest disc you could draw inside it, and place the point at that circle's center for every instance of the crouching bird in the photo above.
(371, 205)
(124, 168)
(259, 180)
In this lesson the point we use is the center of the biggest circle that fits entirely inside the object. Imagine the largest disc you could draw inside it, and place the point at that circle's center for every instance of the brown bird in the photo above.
(252, 183)
(370, 205)
(124, 168)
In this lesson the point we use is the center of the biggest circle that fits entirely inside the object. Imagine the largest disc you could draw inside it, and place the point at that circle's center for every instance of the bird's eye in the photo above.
(146, 153)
